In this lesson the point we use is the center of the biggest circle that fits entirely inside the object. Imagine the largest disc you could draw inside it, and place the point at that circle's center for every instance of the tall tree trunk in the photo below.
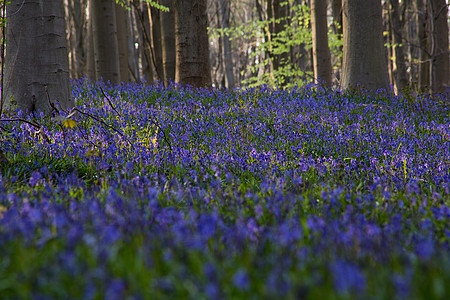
(168, 42)
(336, 9)
(156, 40)
(364, 56)
(90, 55)
(400, 74)
(277, 14)
(228, 60)
(75, 28)
(122, 41)
(424, 54)
(142, 13)
(133, 59)
(106, 50)
(36, 55)
(191, 43)
(388, 40)
(440, 72)
(321, 51)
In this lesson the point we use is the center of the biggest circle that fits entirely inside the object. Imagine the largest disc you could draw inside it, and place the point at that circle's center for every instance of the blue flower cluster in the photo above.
(156, 192)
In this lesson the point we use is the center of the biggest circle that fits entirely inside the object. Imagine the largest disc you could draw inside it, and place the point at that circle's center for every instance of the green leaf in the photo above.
(69, 123)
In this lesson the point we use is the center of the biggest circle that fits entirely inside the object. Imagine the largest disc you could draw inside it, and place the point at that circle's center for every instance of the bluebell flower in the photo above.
(241, 280)
(35, 178)
(347, 277)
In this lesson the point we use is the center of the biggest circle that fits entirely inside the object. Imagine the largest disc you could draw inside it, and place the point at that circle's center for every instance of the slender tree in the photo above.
(76, 28)
(228, 60)
(321, 51)
(439, 72)
(167, 42)
(191, 43)
(156, 41)
(122, 41)
(422, 41)
(364, 57)
(106, 50)
(400, 74)
(37, 67)
(90, 52)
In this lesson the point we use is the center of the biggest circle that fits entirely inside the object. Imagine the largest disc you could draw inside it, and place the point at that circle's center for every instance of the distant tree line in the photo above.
(371, 44)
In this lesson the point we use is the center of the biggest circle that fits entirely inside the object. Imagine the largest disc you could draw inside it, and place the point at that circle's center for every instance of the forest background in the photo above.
(257, 42)
(249, 43)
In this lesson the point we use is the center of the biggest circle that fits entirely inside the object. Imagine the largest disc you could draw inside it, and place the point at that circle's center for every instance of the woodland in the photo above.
(224, 149)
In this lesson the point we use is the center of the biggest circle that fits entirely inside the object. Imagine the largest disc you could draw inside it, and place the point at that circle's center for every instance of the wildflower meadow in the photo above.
(146, 192)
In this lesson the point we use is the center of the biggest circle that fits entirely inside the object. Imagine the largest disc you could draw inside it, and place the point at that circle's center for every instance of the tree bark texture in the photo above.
(90, 55)
(228, 60)
(167, 23)
(122, 41)
(142, 14)
(156, 41)
(400, 74)
(336, 9)
(106, 50)
(364, 57)
(133, 59)
(321, 51)
(36, 55)
(191, 43)
(422, 37)
(440, 72)
(76, 28)
(277, 14)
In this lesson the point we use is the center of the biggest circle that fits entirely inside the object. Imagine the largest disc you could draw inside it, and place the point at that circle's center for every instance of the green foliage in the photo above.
(295, 38)
(125, 3)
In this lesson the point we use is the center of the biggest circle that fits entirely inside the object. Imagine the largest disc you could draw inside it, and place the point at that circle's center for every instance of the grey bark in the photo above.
(364, 57)
(133, 59)
(122, 42)
(36, 55)
(156, 41)
(191, 40)
(321, 51)
(439, 72)
(422, 37)
(75, 24)
(106, 50)
(167, 23)
(90, 55)
(400, 74)
(228, 60)
(143, 20)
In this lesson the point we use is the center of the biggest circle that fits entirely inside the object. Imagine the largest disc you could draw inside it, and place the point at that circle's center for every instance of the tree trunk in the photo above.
(277, 14)
(321, 51)
(228, 60)
(156, 40)
(122, 42)
(36, 55)
(400, 74)
(133, 59)
(168, 42)
(364, 57)
(388, 40)
(106, 50)
(142, 14)
(90, 56)
(191, 43)
(336, 9)
(75, 27)
(422, 36)
(440, 72)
